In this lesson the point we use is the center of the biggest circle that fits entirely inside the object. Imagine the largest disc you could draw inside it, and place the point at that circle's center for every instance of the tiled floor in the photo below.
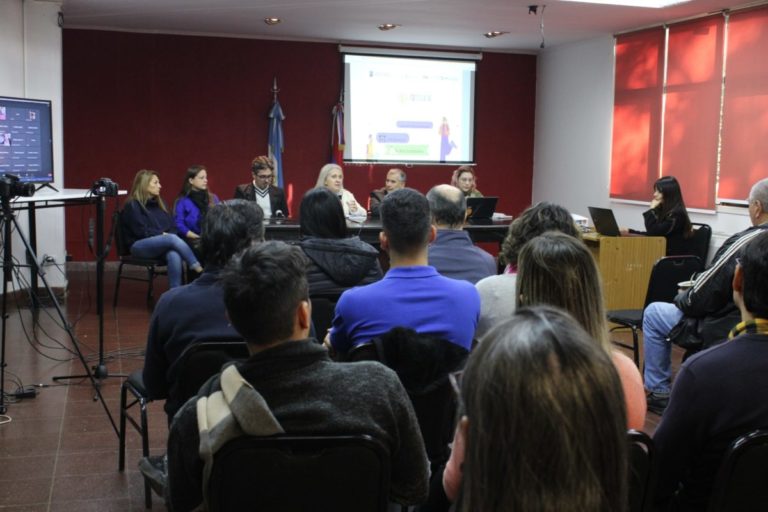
(59, 451)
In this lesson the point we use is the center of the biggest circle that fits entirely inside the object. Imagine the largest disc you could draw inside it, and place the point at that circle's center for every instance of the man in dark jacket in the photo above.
(395, 180)
(266, 296)
(719, 394)
(260, 189)
(709, 301)
(195, 312)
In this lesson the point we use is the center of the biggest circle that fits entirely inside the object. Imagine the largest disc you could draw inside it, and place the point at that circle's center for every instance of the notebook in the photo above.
(604, 221)
(481, 207)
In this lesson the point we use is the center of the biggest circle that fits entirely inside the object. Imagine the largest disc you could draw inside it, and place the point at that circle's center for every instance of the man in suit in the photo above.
(395, 180)
(270, 198)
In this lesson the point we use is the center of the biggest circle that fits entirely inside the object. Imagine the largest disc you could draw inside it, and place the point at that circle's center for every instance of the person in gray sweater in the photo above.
(266, 296)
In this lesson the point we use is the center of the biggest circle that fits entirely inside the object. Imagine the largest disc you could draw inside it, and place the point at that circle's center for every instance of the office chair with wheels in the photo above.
(642, 473)
(153, 266)
(662, 287)
(301, 474)
(742, 480)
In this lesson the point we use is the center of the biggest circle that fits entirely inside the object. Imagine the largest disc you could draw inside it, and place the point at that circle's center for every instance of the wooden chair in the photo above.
(153, 266)
(662, 287)
(300, 474)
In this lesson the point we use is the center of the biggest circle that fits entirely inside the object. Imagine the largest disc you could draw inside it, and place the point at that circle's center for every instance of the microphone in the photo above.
(279, 214)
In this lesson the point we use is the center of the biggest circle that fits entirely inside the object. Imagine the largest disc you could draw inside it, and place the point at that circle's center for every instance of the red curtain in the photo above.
(744, 158)
(692, 109)
(637, 113)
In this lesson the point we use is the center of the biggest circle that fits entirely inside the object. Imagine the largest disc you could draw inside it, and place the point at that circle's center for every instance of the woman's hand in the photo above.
(352, 205)
(655, 203)
(192, 235)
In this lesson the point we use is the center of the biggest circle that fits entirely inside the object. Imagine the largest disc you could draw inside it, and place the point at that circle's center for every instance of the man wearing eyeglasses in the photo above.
(270, 198)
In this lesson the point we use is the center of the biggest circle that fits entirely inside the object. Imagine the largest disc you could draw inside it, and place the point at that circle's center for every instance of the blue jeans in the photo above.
(170, 247)
(658, 319)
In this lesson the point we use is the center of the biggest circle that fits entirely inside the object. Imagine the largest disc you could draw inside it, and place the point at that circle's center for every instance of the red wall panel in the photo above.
(164, 102)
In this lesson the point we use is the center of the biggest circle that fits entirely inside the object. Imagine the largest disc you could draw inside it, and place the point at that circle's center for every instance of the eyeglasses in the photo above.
(265, 176)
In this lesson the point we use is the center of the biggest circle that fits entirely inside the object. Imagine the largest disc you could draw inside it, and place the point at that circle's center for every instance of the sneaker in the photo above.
(155, 469)
(657, 402)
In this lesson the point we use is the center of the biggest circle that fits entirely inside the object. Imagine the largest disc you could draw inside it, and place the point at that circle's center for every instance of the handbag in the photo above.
(685, 334)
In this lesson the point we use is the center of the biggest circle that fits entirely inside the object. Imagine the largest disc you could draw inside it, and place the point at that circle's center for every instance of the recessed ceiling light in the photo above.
(388, 26)
(655, 4)
(272, 21)
(495, 33)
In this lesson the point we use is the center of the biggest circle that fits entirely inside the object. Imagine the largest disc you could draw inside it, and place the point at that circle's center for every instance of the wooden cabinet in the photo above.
(625, 264)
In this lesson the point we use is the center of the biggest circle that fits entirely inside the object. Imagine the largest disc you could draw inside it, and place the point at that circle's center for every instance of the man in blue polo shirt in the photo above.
(412, 294)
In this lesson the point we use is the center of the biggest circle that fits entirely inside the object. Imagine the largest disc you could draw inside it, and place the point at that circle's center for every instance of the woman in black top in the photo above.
(668, 217)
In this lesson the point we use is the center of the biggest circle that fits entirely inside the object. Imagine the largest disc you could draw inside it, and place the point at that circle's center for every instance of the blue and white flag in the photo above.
(276, 143)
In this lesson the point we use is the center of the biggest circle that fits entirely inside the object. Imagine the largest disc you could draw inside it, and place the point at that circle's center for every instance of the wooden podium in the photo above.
(625, 264)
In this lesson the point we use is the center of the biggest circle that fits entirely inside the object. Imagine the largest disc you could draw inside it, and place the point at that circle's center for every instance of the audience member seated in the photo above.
(497, 293)
(336, 262)
(412, 294)
(332, 177)
(195, 312)
(149, 231)
(668, 217)
(453, 253)
(289, 385)
(192, 205)
(543, 424)
(464, 178)
(395, 180)
(558, 270)
(260, 189)
(719, 394)
(705, 311)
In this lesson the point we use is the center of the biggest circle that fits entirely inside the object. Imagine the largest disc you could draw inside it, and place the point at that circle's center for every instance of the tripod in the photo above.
(100, 371)
(9, 221)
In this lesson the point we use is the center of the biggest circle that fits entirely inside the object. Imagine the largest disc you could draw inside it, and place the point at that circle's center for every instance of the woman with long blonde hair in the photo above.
(149, 231)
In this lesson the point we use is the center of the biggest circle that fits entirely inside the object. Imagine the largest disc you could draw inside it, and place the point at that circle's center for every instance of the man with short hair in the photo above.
(412, 294)
(453, 253)
(719, 394)
(288, 385)
(395, 180)
(260, 189)
(195, 312)
(707, 307)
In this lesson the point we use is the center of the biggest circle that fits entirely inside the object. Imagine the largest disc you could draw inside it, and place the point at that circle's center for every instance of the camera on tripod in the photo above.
(12, 186)
(104, 187)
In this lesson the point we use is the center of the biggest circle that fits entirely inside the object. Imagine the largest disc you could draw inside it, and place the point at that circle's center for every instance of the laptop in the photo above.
(604, 221)
(481, 207)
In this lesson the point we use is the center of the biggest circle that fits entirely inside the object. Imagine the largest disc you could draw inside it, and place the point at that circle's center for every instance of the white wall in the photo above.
(572, 150)
(31, 67)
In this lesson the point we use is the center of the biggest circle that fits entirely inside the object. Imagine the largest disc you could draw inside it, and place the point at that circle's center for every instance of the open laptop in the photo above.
(481, 207)
(604, 221)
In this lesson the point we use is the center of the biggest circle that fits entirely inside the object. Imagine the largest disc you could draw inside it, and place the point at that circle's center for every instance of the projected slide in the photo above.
(408, 110)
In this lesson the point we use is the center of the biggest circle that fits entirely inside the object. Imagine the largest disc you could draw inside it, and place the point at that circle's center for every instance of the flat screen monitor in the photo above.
(26, 140)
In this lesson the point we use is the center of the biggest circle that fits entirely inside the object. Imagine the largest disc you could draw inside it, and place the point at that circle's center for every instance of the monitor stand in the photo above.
(47, 185)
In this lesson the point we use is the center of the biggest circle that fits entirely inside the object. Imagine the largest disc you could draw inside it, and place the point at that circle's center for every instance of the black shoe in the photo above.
(154, 468)
(657, 402)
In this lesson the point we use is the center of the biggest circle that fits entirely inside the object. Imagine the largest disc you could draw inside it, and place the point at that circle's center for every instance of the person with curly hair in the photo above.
(260, 189)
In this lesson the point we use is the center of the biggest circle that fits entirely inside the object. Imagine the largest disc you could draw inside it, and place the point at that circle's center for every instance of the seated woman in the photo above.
(668, 217)
(336, 262)
(556, 269)
(331, 177)
(497, 293)
(192, 205)
(150, 231)
(464, 178)
(543, 425)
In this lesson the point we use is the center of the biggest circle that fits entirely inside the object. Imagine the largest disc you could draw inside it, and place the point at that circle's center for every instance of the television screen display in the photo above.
(26, 141)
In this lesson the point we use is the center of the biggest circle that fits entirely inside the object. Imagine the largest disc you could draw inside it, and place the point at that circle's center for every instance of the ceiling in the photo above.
(424, 23)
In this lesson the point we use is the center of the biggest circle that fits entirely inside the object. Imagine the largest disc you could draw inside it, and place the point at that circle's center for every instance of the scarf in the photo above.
(200, 198)
(756, 326)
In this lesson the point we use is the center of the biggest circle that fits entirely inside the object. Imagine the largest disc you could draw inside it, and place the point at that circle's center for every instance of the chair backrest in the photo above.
(666, 273)
(641, 471)
(323, 309)
(199, 362)
(279, 473)
(117, 229)
(699, 242)
(422, 363)
(742, 480)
